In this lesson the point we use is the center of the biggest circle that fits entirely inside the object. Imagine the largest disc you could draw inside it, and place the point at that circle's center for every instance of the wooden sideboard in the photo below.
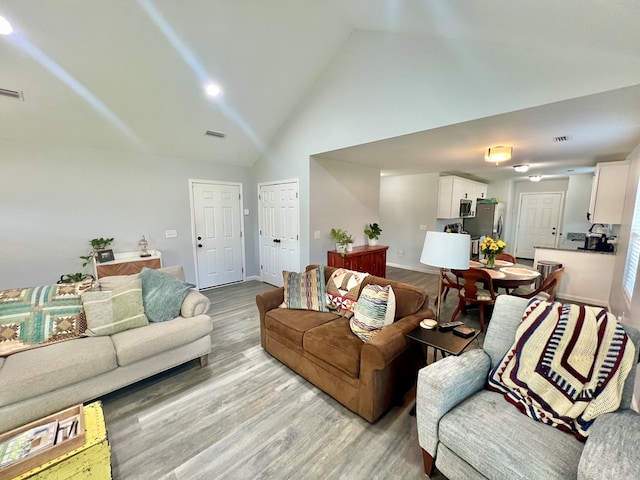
(368, 259)
(127, 263)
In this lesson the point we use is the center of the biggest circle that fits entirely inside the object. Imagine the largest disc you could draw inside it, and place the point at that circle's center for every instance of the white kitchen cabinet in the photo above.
(608, 192)
(452, 189)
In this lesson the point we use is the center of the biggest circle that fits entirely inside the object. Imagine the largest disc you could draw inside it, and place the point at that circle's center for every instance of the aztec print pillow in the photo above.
(305, 291)
(112, 312)
(31, 317)
(375, 309)
(343, 289)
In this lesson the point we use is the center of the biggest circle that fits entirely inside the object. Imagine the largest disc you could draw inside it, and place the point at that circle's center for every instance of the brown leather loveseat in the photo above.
(319, 346)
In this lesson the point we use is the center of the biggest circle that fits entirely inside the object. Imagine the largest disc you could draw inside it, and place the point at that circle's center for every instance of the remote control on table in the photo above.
(449, 325)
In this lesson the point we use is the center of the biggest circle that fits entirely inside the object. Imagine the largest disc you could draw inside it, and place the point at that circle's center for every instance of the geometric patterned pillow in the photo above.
(112, 312)
(343, 289)
(305, 291)
(376, 308)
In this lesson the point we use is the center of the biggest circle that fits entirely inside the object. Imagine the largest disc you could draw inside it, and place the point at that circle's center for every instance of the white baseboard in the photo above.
(253, 277)
(577, 298)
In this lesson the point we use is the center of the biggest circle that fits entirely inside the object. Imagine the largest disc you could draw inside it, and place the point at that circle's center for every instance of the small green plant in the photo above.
(373, 231)
(340, 236)
(96, 244)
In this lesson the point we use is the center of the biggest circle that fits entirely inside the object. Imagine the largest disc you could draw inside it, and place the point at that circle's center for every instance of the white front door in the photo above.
(279, 220)
(538, 222)
(217, 233)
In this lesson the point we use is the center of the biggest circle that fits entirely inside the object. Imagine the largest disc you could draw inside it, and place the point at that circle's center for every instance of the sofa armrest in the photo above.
(612, 448)
(194, 304)
(269, 300)
(444, 384)
(266, 301)
(378, 352)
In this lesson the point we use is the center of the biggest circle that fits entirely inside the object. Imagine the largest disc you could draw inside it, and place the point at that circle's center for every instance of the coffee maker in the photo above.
(596, 239)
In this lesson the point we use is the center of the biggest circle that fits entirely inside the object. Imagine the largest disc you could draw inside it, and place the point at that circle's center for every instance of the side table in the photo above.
(89, 461)
(444, 342)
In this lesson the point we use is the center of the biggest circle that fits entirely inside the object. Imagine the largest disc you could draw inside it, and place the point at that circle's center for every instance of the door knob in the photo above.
(199, 245)
(199, 238)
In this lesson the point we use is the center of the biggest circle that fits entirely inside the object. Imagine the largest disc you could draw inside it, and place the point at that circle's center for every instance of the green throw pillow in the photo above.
(305, 291)
(162, 294)
(112, 312)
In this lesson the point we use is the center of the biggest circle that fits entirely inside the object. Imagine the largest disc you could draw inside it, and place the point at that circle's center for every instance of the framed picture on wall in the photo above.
(105, 256)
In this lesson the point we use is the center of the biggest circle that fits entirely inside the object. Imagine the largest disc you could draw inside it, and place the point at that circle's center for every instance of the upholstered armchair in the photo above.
(469, 432)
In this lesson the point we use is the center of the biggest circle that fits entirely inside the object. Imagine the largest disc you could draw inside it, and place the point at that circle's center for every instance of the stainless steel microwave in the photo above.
(465, 208)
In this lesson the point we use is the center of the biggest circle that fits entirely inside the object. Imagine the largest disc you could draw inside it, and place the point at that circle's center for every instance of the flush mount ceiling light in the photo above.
(535, 178)
(213, 90)
(498, 154)
(5, 26)
(521, 168)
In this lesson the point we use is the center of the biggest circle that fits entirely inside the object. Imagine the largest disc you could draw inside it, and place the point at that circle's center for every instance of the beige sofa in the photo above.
(365, 377)
(37, 382)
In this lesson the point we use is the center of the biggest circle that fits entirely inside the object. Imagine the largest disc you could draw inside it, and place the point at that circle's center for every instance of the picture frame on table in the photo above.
(105, 255)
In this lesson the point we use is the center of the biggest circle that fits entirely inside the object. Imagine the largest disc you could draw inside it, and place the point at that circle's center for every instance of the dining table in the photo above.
(508, 275)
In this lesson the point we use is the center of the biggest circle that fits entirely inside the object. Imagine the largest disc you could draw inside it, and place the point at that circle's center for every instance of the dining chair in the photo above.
(448, 281)
(547, 289)
(472, 293)
(507, 257)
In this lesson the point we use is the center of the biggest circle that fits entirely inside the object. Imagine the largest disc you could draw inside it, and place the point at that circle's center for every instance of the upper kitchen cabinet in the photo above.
(453, 191)
(608, 192)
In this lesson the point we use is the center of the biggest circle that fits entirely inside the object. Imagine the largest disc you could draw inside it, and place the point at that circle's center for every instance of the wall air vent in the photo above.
(213, 133)
(563, 138)
(11, 94)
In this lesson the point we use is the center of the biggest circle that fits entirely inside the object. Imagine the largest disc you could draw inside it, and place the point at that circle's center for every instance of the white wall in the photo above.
(54, 199)
(341, 196)
(383, 85)
(618, 303)
(406, 202)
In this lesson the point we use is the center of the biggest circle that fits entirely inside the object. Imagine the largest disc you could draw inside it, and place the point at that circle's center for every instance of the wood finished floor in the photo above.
(247, 416)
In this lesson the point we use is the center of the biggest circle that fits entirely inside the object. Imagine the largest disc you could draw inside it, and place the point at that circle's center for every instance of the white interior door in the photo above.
(538, 222)
(279, 220)
(217, 233)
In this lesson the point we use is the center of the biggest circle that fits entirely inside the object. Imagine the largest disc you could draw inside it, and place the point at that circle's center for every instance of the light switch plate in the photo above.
(171, 233)
(316, 234)
(246, 211)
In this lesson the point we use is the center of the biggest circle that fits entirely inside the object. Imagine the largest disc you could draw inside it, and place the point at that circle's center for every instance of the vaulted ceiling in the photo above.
(131, 75)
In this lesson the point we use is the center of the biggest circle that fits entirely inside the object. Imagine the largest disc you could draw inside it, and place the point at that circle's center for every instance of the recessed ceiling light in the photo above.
(521, 168)
(5, 26)
(535, 178)
(213, 90)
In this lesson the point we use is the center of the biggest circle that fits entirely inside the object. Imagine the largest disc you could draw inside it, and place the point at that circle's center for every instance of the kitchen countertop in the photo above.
(576, 250)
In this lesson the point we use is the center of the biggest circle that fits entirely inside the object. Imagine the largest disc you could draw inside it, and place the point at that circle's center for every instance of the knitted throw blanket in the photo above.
(567, 366)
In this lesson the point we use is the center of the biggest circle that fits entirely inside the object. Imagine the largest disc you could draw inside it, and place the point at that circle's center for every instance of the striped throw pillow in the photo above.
(305, 291)
(112, 312)
(375, 309)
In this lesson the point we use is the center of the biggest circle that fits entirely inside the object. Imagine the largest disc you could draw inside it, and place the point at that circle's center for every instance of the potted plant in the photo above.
(373, 233)
(349, 242)
(341, 238)
(96, 244)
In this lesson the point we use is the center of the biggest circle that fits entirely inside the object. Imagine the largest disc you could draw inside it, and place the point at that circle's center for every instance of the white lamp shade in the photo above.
(446, 250)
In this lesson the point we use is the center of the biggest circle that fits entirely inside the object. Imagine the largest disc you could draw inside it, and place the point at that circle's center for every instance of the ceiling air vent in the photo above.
(11, 94)
(563, 138)
(213, 133)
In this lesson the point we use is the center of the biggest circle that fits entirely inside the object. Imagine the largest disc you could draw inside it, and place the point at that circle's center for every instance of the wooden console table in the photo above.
(127, 263)
(368, 259)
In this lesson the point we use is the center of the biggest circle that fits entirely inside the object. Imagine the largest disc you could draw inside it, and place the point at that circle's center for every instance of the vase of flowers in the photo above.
(490, 248)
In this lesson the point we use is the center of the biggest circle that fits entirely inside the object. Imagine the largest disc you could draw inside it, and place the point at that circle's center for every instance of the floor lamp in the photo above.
(445, 250)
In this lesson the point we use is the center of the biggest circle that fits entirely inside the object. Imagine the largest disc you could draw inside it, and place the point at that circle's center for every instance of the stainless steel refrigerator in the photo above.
(489, 221)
